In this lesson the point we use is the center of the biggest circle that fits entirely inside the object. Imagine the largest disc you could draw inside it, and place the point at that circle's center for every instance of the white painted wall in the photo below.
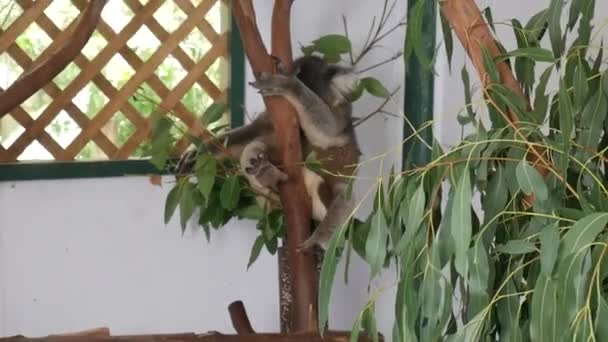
(84, 253)
(78, 254)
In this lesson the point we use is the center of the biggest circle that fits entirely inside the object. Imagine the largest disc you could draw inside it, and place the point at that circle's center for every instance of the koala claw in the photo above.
(272, 84)
(312, 245)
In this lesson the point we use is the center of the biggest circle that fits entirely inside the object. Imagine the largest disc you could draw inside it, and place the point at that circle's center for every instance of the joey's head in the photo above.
(330, 81)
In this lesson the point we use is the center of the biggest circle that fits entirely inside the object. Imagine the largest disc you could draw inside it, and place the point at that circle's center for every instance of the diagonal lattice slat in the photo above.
(94, 125)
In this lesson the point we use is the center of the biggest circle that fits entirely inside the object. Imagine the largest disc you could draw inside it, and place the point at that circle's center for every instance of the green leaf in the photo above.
(467, 92)
(575, 11)
(496, 195)
(186, 205)
(356, 329)
(172, 201)
(435, 297)
(581, 86)
(229, 195)
(506, 97)
(541, 101)
(252, 212)
(478, 280)
(536, 27)
(530, 181)
(544, 323)
(535, 53)
(312, 162)
(516, 247)
(487, 12)
(592, 121)
(413, 220)
(555, 30)
(461, 222)
(490, 65)
(508, 313)
(375, 247)
(566, 122)
(549, 242)
(414, 41)
(327, 275)
(375, 87)
(369, 321)
(255, 250)
(213, 113)
(447, 37)
(583, 232)
(601, 317)
(206, 171)
(333, 44)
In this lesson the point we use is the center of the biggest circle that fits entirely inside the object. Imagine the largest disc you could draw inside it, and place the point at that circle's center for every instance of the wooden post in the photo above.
(294, 198)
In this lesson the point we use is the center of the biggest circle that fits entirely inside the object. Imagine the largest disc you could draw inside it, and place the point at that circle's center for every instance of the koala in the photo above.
(320, 93)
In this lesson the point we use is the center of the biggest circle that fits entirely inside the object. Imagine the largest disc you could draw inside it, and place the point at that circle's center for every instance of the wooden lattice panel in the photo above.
(144, 74)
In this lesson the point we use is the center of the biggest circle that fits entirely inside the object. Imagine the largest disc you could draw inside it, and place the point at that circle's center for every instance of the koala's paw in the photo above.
(273, 84)
(314, 245)
(266, 173)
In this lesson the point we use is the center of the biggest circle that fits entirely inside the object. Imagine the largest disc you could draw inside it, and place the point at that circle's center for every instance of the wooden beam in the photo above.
(190, 337)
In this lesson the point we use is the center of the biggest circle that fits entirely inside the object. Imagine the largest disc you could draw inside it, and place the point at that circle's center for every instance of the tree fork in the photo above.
(294, 198)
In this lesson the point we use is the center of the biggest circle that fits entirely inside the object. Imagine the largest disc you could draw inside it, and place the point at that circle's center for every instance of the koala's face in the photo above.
(343, 79)
(332, 82)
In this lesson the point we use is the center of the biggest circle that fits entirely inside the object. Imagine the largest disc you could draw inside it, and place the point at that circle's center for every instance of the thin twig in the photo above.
(379, 64)
(378, 110)
(373, 37)
(350, 51)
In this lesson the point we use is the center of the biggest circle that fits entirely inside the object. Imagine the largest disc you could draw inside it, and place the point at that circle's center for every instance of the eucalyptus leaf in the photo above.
(172, 201)
(447, 37)
(549, 241)
(213, 113)
(186, 204)
(327, 275)
(461, 222)
(375, 247)
(515, 247)
(229, 195)
(413, 221)
(566, 122)
(583, 232)
(530, 181)
(375, 87)
(545, 324)
(332, 44)
(555, 31)
(535, 53)
(206, 171)
(490, 65)
(255, 250)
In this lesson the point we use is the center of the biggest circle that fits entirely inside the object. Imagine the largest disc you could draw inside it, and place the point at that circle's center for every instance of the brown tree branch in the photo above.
(471, 29)
(32, 80)
(295, 200)
(473, 32)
